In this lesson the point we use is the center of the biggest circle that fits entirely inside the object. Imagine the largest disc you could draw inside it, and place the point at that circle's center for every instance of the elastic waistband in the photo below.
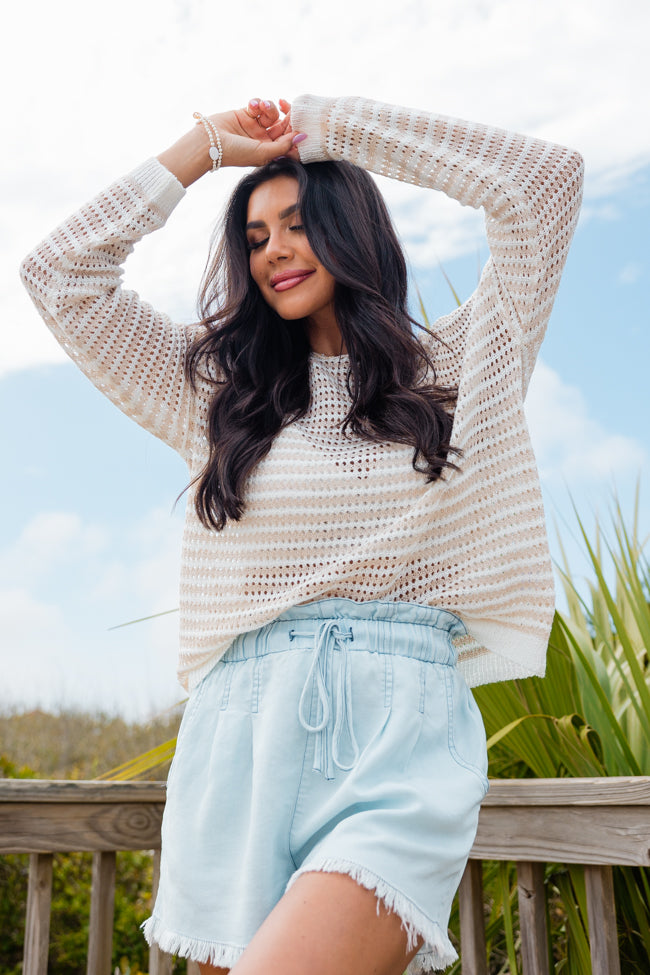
(405, 629)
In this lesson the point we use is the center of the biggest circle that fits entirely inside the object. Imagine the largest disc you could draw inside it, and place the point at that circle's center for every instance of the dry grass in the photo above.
(73, 745)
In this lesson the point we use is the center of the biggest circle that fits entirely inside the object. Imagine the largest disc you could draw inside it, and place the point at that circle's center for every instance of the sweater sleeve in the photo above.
(530, 191)
(132, 353)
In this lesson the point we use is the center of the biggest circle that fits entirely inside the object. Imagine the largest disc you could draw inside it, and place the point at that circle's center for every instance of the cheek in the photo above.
(253, 265)
(329, 286)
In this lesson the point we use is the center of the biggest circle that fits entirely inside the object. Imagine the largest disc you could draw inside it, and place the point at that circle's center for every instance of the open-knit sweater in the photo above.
(330, 514)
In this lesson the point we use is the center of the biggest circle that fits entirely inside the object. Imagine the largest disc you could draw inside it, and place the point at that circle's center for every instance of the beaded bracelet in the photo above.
(216, 149)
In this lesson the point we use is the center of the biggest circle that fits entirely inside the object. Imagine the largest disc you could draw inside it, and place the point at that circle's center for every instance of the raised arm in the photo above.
(530, 191)
(131, 352)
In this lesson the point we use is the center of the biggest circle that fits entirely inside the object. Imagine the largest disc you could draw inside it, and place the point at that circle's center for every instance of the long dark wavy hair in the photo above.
(258, 362)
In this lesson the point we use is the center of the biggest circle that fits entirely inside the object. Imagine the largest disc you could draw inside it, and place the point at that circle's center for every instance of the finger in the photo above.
(269, 114)
(285, 106)
(283, 146)
(253, 107)
(280, 128)
(251, 119)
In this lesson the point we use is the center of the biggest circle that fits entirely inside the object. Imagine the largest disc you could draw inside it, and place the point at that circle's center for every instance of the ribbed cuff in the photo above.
(160, 186)
(311, 114)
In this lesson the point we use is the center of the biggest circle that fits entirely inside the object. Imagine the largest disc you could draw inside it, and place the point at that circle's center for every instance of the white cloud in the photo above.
(631, 273)
(63, 583)
(35, 641)
(603, 210)
(571, 447)
(573, 73)
(49, 541)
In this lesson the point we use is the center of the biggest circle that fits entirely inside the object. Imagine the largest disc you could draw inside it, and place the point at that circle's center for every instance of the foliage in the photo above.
(70, 911)
(590, 716)
(73, 746)
(13, 903)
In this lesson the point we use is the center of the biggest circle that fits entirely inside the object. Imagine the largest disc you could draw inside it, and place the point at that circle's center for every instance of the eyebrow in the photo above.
(256, 224)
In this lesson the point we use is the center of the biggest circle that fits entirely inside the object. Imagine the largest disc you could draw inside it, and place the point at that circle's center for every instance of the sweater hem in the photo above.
(498, 651)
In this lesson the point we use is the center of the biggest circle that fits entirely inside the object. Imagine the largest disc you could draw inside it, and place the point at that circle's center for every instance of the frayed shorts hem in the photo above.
(221, 955)
(437, 952)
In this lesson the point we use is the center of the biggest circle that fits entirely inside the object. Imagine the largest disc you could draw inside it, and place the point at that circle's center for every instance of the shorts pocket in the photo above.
(466, 731)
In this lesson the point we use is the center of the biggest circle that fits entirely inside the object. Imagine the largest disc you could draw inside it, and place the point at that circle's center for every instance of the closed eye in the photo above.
(254, 244)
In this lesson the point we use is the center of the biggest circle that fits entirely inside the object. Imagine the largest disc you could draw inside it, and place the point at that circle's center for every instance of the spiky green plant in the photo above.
(590, 715)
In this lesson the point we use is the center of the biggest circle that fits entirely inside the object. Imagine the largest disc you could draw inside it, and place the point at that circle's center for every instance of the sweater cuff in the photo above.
(311, 114)
(159, 185)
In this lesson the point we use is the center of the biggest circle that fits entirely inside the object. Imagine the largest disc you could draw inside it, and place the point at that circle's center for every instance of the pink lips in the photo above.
(288, 279)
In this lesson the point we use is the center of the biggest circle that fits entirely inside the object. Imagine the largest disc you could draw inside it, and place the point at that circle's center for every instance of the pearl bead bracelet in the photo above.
(216, 149)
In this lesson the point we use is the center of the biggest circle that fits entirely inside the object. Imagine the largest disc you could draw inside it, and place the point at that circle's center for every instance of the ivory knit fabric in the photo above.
(329, 514)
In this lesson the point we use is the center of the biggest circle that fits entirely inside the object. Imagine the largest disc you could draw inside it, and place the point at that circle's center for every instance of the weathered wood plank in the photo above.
(160, 963)
(567, 835)
(601, 909)
(37, 924)
(193, 968)
(532, 918)
(473, 953)
(62, 827)
(616, 834)
(66, 790)
(610, 790)
(102, 911)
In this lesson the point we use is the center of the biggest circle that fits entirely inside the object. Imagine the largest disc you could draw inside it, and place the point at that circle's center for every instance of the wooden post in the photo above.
(473, 953)
(37, 924)
(102, 910)
(532, 918)
(160, 963)
(601, 908)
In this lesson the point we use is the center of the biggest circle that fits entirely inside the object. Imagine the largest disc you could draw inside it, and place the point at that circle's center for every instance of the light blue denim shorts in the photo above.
(340, 737)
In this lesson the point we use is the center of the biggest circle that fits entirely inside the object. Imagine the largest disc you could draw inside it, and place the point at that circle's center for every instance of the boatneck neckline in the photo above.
(323, 357)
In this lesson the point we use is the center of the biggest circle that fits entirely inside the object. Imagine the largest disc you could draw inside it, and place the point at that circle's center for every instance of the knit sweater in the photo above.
(327, 513)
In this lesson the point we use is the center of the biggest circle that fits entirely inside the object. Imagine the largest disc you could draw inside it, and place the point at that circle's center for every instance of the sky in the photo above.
(89, 536)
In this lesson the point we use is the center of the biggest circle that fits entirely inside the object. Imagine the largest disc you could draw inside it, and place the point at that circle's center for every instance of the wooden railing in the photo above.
(594, 822)
(598, 823)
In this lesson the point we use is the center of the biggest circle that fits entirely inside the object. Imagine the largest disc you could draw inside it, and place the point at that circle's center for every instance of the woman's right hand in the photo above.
(250, 136)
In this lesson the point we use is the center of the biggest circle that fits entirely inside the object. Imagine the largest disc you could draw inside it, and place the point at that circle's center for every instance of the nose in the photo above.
(278, 246)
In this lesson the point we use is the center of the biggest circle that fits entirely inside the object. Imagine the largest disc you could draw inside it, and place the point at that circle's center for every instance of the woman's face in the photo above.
(289, 275)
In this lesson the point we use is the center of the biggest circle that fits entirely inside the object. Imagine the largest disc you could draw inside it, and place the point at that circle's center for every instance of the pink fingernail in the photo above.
(254, 102)
(299, 138)
(268, 104)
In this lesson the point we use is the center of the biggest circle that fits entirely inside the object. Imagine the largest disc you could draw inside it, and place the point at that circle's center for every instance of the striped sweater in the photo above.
(327, 513)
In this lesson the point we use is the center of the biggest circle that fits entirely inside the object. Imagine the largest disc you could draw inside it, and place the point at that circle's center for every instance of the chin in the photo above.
(291, 311)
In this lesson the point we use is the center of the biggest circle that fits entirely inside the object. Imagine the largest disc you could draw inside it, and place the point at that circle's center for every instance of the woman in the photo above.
(364, 533)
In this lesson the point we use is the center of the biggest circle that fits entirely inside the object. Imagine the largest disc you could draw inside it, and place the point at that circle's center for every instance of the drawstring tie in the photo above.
(327, 755)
